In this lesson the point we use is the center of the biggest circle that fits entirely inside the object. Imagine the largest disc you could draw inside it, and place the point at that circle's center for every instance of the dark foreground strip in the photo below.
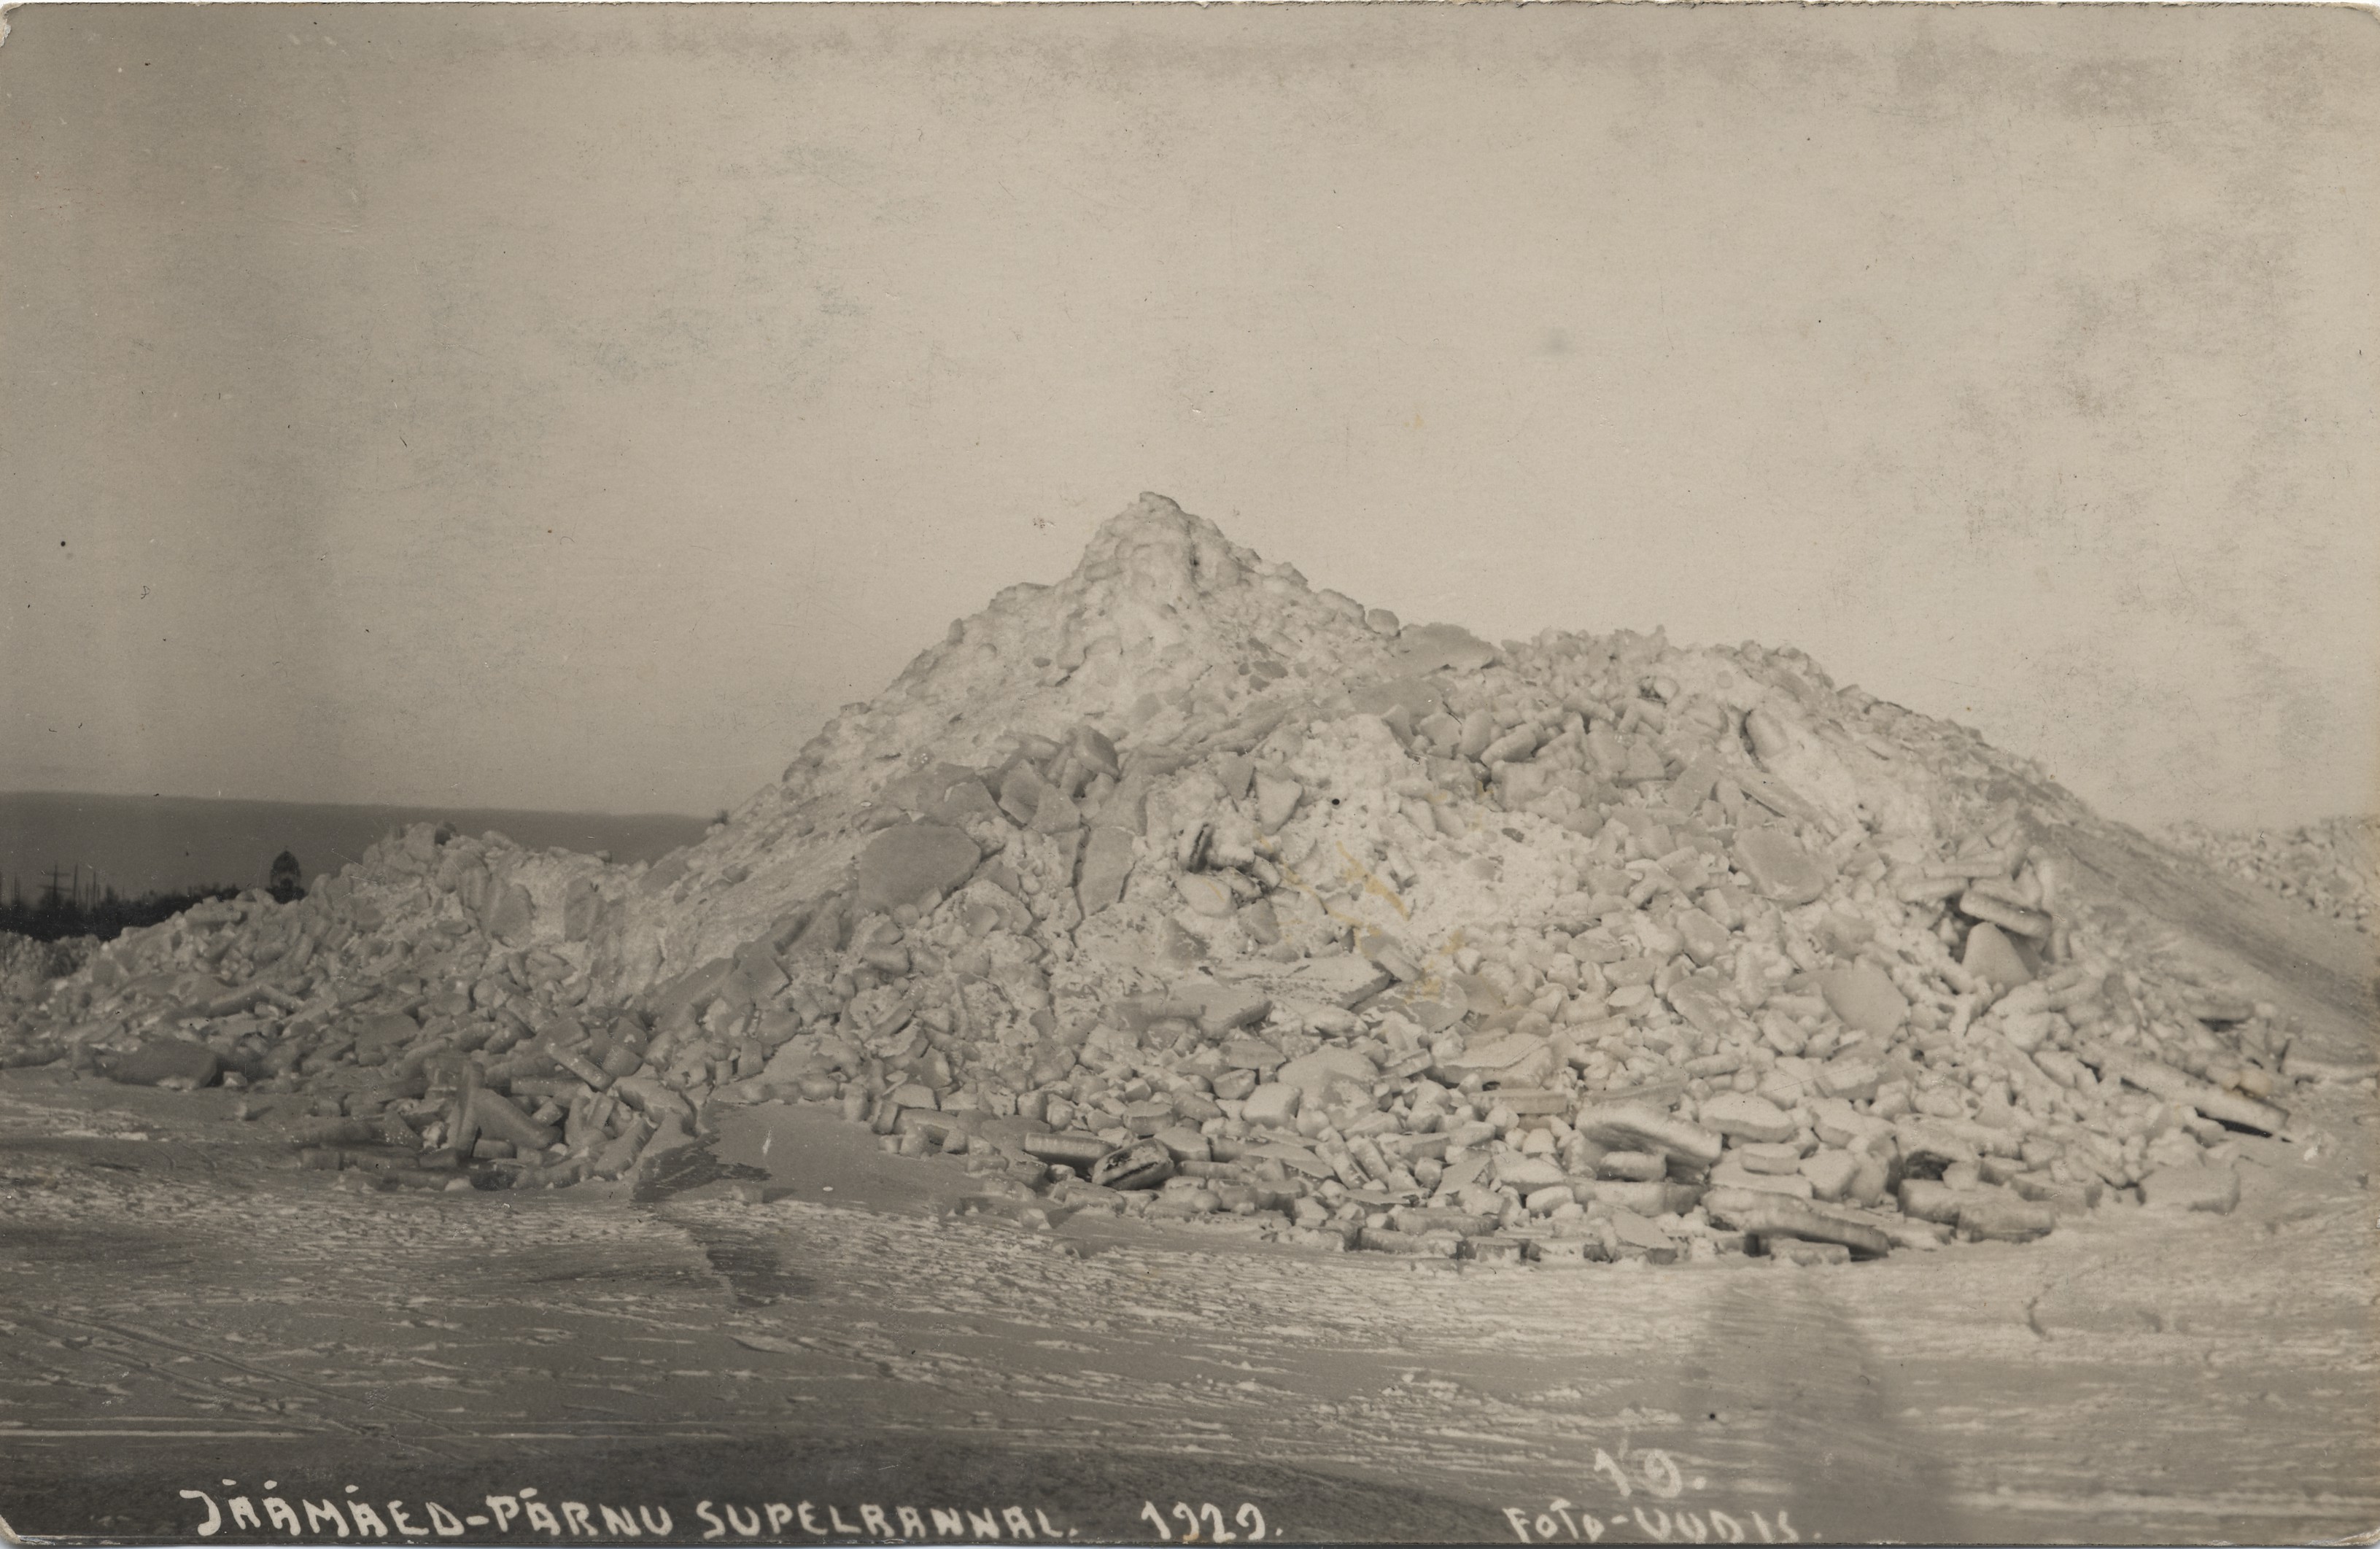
(787, 1489)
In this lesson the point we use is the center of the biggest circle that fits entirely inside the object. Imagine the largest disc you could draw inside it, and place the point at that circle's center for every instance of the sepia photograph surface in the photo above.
(1189, 775)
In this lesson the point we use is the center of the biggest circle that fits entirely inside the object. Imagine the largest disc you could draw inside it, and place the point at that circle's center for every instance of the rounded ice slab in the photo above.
(1779, 867)
(1990, 955)
(1746, 1116)
(914, 864)
(1862, 995)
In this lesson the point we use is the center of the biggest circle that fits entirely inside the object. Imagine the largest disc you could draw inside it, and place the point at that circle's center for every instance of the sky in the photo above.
(570, 408)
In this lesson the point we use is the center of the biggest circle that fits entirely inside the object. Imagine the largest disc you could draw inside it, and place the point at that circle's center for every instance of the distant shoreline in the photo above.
(46, 795)
(139, 845)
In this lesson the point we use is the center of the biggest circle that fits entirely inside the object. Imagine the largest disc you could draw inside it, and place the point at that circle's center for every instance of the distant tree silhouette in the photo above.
(288, 883)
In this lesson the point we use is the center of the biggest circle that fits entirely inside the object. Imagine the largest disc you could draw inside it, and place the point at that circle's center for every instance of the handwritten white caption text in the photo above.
(1655, 1480)
(346, 1516)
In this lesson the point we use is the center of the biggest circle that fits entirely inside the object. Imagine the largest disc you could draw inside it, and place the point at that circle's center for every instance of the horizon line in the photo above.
(365, 805)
